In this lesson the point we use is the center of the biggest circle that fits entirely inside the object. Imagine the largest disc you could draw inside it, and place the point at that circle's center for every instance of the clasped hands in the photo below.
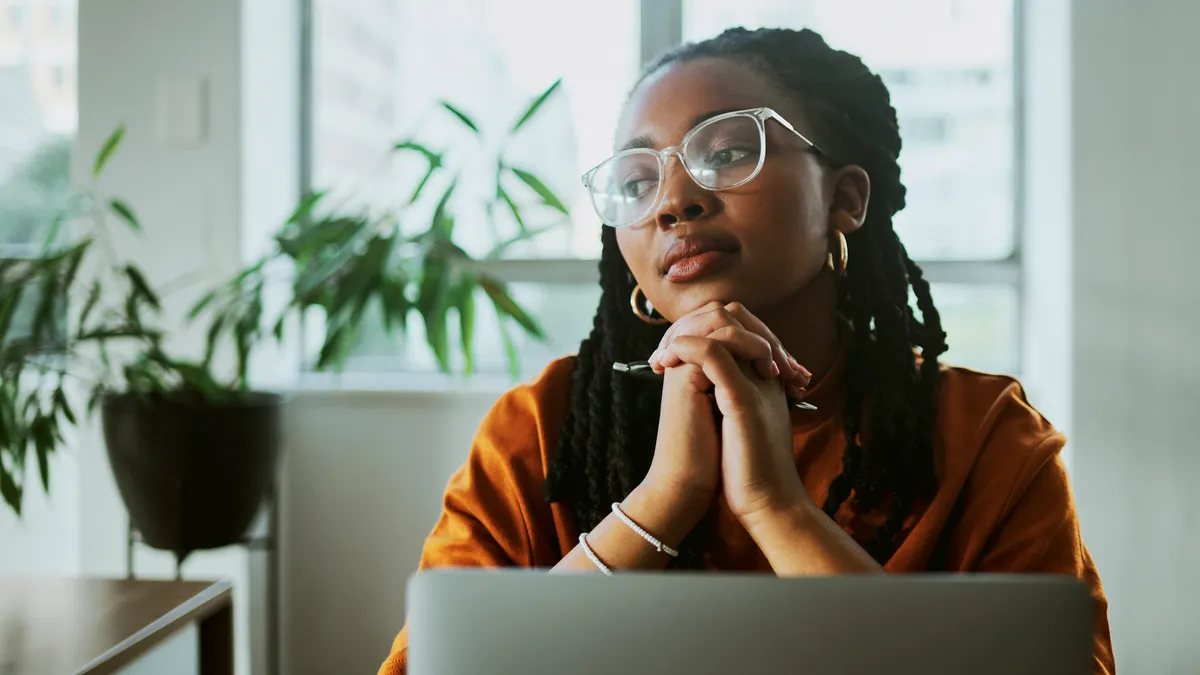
(724, 352)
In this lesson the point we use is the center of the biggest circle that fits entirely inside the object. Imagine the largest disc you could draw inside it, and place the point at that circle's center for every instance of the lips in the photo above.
(694, 255)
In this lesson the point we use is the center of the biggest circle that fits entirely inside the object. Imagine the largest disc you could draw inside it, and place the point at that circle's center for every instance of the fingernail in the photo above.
(653, 360)
(774, 369)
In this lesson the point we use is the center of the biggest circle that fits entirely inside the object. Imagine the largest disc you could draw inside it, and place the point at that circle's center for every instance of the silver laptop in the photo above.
(528, 622)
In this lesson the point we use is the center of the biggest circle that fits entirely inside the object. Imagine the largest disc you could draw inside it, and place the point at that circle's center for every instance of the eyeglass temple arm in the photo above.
(788, 125)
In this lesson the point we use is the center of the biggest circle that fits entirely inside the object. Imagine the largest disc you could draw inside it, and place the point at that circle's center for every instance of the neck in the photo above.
(808, 325)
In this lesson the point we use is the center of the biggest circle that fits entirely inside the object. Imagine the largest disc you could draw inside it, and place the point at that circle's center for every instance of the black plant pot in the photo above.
(192, 474)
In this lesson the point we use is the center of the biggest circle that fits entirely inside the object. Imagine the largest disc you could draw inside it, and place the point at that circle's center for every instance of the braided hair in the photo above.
(608, 436)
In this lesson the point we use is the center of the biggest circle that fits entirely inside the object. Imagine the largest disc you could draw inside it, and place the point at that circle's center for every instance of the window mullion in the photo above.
(662, 27)
(585, 271)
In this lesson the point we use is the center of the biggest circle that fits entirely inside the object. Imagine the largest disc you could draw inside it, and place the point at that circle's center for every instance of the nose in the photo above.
(683, 199)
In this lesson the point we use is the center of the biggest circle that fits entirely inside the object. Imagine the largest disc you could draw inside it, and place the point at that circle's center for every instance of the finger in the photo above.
(789, 365)
(743, 343)
(718, 364)
(738, 342)
(700, 323)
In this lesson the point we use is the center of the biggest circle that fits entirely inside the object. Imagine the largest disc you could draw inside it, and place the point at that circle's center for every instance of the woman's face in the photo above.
(771, 234)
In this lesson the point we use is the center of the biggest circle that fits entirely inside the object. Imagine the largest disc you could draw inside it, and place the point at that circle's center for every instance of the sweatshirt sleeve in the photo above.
(493, 513)
(1040, 534)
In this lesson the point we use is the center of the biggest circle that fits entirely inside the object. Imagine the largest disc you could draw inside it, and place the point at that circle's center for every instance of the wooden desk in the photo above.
(99, 626)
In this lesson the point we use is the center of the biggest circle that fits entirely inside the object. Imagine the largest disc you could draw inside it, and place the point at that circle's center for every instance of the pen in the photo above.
(642, 369)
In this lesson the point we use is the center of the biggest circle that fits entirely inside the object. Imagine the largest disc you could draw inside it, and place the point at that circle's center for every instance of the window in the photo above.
(36, 131)
(950, 69)
(17, 15)
(380, 68)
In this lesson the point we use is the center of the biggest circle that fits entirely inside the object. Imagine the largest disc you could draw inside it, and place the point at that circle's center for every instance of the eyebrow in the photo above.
(645, 141)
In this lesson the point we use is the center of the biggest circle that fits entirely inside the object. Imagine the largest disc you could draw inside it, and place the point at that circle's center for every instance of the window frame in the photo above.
(661, 28)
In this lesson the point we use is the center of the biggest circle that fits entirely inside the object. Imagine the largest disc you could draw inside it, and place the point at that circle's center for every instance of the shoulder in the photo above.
(523, 424)
(991, 441)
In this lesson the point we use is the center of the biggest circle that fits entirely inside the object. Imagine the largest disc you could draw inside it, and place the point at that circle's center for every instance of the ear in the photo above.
(850, 198)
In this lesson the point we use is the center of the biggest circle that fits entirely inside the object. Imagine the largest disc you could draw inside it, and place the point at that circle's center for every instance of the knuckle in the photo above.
(735, 308)
(726, 318)
(725, 332)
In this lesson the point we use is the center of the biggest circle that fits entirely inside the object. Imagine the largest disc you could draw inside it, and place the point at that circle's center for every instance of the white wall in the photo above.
(1136, 369)
(364, 474)
(45, 539)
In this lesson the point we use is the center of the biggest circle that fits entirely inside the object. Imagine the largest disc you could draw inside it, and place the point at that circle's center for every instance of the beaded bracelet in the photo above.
(662, 548)
(592, 555)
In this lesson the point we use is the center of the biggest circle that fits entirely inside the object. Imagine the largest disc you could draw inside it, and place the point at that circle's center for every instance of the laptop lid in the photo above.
(531, 622)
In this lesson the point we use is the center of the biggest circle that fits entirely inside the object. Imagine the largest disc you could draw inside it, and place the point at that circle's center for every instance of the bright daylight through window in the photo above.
(37, 125)
(381, 68)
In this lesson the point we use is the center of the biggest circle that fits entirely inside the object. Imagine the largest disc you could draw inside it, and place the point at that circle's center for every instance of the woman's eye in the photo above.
(726, 156)
(636, 187)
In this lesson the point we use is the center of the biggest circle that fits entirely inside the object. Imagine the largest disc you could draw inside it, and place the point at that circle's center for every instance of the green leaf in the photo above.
(43, 445)
(89, 304)
(536, 105)
(432, 303)
(548, 197)
(197, 378)
(305, 207)
(94, 399)
(211, 338)
(55, 228)
(464, 302)
(434, 158)
(443, 223)
(122, 209)
(505, 304)
(104, 334)
(512, 206)
(337, 345)
(203, 303)
(61, 402)
(245, 332)
(363, 278)
(499, 249)
(106, 150)
(43, 317)
(10, 491)
(74, 260)
(138, 282)
(394, 303)
(9, 301)
(421, 185)
(280, 325)
(510, 348)
(462, 117)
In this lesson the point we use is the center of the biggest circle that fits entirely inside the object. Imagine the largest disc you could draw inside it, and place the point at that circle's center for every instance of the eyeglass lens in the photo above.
(719, 154)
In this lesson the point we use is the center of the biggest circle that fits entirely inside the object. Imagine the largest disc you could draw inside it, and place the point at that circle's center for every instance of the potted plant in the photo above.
(193, 446)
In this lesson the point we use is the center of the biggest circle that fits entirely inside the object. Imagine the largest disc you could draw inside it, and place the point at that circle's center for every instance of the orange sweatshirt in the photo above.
(1003, 504)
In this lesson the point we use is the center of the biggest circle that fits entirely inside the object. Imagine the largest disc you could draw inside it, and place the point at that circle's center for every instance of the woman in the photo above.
(750, 204)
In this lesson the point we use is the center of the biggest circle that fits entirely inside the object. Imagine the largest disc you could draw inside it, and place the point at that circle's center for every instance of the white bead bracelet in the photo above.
(661, 547)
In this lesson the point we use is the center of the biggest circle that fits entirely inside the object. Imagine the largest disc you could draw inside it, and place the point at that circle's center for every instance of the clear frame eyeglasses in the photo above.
(720, 153)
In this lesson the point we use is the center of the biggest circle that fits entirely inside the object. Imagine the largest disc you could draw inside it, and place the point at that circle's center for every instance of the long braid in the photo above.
(890, 406)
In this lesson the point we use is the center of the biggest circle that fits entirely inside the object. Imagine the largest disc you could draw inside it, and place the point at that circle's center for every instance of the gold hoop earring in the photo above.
(838, 265)
(636, 306)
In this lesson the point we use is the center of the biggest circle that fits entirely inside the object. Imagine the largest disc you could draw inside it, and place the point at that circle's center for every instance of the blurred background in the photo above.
(1049, 155)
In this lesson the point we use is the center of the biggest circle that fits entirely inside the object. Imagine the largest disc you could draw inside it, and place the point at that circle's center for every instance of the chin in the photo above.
(688, 297)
